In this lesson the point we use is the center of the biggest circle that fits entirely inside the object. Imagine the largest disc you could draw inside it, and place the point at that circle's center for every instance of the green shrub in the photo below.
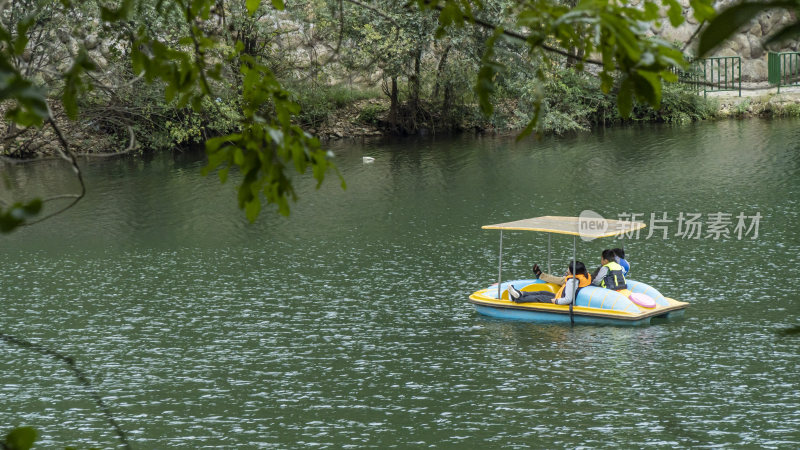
(371, 113)
(679, 104)
(573, 101)
(317, 102)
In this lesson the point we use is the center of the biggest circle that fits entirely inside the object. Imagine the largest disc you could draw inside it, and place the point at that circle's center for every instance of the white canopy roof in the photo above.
(587, 227)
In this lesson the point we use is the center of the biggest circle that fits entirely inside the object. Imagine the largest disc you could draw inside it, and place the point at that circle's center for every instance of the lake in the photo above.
(346, 325)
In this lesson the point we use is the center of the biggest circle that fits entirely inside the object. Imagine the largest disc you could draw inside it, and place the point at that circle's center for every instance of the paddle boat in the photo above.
(594, 305)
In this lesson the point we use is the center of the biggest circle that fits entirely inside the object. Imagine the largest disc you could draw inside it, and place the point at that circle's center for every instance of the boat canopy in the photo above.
(587, 227)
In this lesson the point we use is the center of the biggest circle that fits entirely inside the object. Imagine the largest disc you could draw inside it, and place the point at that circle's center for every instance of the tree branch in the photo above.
(520, 37)
(133, 145)
(78, 373)
(67, 155)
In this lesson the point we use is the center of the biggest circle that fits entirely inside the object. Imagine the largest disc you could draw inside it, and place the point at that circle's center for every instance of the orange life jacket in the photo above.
(583, 281)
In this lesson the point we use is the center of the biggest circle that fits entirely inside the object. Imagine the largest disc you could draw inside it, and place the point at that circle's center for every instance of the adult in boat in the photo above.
(610, 275)
(570, 286)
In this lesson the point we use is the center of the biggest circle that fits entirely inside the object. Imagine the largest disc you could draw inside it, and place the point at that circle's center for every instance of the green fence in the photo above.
(723, 73)
(693, 76)
(783, 69)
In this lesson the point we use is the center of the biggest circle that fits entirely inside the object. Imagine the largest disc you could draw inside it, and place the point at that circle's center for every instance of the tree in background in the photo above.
(224, 60)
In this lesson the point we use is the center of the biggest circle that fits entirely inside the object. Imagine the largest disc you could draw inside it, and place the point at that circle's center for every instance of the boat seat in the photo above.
(536, 287)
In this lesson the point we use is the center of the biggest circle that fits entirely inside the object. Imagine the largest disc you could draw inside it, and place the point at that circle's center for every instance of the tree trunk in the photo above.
(415, 82)
(394, 105)
(440, 71)
(448, 95)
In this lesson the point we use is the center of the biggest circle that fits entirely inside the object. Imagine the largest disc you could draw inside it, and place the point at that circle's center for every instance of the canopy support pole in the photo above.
(574, 277)
(549, 236)
(500, 266)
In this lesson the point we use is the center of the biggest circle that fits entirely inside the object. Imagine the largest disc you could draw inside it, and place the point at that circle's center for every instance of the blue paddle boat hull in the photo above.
(594, 305)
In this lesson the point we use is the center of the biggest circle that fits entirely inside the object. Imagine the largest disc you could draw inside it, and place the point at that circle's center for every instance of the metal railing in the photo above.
(693, 76)
(715, 74)
(783, 69)
(728, 74)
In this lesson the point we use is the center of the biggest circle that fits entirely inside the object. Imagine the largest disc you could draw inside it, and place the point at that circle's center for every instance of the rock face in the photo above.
(748, 43)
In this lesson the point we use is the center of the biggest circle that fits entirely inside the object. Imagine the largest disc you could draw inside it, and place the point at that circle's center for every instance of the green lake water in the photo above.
(347, 324)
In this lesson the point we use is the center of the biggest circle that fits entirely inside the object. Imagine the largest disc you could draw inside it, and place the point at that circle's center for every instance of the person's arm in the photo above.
(547, 278)
(600, 275)
(569, 291)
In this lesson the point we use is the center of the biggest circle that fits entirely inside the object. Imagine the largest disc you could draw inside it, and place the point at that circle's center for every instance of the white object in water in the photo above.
(368, 159)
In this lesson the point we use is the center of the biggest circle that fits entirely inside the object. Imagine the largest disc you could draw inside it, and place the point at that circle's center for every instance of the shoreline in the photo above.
(756, 101)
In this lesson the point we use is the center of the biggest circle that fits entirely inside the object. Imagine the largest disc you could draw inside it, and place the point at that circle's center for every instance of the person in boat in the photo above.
(569, 287)
(547, 278)
(610, 275)
(619, 257)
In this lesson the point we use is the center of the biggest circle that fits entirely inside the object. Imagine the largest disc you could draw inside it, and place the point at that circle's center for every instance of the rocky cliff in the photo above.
(747, 43)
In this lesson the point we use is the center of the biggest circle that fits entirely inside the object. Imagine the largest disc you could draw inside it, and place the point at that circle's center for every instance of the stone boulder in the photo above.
(755, 70)
(748, 43)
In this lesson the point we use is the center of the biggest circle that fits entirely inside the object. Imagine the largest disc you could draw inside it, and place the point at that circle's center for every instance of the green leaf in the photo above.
(703, 9)
(73, 83)
(252, 208)
(22, 38)
(485, 84)
(5, 36)
(116, 15)
(21, 438)
(730, 20)
(33, 207)
(278, 4)
(70, 101)
(451, 15)
(625, 98)
(169, 92)
(651, 10)
(606, 82)
(675, 12)
(223, 174)
(283, 206)
(669, 77)
(252, 6)
(648, 87)
(214, 143)
(24, 117)
(537, 108)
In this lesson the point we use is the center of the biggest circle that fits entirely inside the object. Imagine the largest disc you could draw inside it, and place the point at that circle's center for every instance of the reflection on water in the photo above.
(347, 323)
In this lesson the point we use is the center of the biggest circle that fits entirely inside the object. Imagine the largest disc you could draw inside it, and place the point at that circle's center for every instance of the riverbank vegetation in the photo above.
(260, 82)
(352, 70)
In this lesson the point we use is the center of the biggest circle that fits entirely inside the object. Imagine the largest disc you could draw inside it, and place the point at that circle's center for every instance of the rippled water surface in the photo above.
(347, 324)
